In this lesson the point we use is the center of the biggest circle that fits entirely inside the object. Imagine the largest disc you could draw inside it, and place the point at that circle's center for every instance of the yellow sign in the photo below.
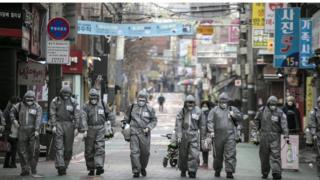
(258, 15)
(309, 95)
(205, 30)
(270, 45)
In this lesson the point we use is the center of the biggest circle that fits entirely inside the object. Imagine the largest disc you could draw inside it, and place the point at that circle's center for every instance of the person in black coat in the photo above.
(206, 106)
(293, 115)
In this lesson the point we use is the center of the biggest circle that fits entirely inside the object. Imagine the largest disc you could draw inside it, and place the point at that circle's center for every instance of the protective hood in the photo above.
(143, 94)
(189, 98)
(224, 97)
(272, 100)
(93, 92)
(29, 94)
(66, 89)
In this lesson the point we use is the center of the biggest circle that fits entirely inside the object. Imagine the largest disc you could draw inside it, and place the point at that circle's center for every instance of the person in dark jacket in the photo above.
(205, 106)
(11, 134)
(293, 115)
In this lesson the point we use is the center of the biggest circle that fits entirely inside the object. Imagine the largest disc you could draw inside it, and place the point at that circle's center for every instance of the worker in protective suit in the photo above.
(271, 121)
(223, 121)
(189, 124)
(93, 125)
(64, 119)
(27, 115)
(314, 126)
(142, 120)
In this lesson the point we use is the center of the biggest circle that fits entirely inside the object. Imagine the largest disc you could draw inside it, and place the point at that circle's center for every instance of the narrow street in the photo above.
(118, 167)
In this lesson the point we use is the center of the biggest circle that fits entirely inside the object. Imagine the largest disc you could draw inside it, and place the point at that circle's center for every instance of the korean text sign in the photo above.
(258, 15)
(305, 44)
(287, 37)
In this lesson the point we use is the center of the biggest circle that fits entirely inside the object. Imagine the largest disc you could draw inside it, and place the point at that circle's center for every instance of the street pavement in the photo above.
(118, 166)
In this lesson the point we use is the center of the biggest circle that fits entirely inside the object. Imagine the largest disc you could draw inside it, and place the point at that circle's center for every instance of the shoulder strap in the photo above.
(130, 113)
(105, 112)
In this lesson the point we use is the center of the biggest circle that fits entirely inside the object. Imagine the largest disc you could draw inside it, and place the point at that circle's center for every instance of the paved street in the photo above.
(118, 165)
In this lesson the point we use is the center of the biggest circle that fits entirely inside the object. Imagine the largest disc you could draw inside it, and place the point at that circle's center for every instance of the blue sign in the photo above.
(134, 30)
(305, 44)
(287, 37)
(58, 28)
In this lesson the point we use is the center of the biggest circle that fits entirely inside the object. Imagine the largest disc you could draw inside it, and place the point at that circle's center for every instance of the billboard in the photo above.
(287, 37)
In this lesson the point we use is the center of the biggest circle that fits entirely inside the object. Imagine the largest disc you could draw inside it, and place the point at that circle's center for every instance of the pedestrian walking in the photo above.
(64, 119)
(314, 126)
(206, 106)
(161, 100)
(189, 122)
(293, 115)
(223, 121)
(11, 134)
(271, 121)
(26, 116)
(142, 119)
(95, 119)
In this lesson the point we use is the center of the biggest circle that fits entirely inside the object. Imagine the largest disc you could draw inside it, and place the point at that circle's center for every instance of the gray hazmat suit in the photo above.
(314, 126)
(142, 117)
(64, 116)
(224, 128)
(93, 121)
(29, 119)
(189, 124)
(271, 124)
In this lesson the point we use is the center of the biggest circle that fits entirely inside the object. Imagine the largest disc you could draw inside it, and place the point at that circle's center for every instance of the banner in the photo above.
(134, 30)
(259, 39)
(269, 15)
(287, 37)
(258, 15)
(234, 31)
(305, 44)
(31, 73)
(316, 30)
(309, 94)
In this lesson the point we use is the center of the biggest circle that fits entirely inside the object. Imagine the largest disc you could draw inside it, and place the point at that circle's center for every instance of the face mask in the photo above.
(29, 103)
(273, 108)
(290, 103)
(65, 97)
(141, 103)
(223, 106)
(205, 108)
(93, 101)
(190, 108)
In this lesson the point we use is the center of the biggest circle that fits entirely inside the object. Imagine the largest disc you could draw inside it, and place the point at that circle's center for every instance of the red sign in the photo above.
(76, 63)
(58, 28)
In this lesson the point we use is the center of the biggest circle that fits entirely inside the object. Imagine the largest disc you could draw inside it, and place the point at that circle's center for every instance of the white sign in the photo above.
(237, 82)
(269, 15)
(120, 48)
(31, 73)
(212, 60)
(58, 52)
